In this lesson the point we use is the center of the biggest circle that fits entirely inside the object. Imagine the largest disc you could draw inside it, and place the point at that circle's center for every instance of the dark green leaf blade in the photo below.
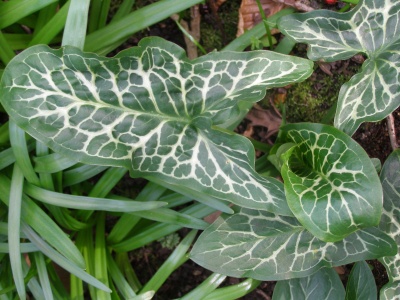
(361, 283)
(330, 183)
(324, 284)
(150, 110)
(370, 28)
(390, 221)
(266, 246)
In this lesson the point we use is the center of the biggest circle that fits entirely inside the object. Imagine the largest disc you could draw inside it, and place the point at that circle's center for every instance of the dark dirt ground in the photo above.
(373, 137)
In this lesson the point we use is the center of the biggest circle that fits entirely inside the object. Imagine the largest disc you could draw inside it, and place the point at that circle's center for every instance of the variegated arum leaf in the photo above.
(151, 110)
(361, 283)
(371, 28)
(390, 222)
(330, 183)
(324, 284)
(266, 246)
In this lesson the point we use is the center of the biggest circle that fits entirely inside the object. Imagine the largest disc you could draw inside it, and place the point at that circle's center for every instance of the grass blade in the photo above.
(75, 27)
(53, 27)
(177, 258)
(61, 260)
(14, 219)
(21, 152)
(119, 279)
(12, 11)
(43, 275)
(6, 51)
(134, 22)
(87, 203)
(207, 286)
(100, 267)
(235, 291)
(43, 224)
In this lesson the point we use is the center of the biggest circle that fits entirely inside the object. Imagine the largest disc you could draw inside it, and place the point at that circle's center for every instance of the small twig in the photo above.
(192, 35)
(392, 132)
(297, 4)
(262, 294)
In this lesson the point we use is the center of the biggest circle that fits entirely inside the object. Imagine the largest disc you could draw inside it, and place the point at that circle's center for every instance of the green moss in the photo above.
(309, 101)
(211, 34)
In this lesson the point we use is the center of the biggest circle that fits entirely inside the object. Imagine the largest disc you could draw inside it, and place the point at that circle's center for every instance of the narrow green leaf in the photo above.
(124, 9)
(100, 256)
(87, 203)
(14, 220)
(53, 27)
(75, 26)
(6, 50)
(330, 182)
(324, 284)
(134, 22)
(61, 260)
(151, 192)
(361, 283)
(234, 292)
(157, 231)
(21, 153)
(390, 221)
(12, 11)
(42, 224)
(118, 278)
(43, 275)
(150, 110)
(52, 163)
(24, 248)
(370, 28)
(207, 286)
(81, 173)
(45, 15)
(177, 258)
(7, 156)
(264, 246)
(258, 31)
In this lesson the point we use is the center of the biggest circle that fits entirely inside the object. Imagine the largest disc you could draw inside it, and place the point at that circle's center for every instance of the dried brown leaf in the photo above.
(265, 118)
(249, 14)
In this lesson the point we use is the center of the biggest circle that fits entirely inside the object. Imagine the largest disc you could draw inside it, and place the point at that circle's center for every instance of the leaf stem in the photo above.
(392, 131)
(265, 22)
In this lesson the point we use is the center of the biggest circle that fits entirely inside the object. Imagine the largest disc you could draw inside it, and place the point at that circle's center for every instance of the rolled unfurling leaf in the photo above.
(150, 110)
(330, 182)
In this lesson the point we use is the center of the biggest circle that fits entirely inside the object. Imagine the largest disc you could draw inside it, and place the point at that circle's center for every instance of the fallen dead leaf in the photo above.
(267, 118)
(249, 14)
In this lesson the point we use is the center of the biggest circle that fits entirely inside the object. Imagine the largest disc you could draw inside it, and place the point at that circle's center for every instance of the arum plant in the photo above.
(371, 28)
(153, 112)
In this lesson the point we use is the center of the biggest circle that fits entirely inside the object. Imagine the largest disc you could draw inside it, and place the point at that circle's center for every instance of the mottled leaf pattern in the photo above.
(330, 183)
(361, 283)
(266, 246)
(390, 221)
(372, 28)
(150, 109)
(324, 284)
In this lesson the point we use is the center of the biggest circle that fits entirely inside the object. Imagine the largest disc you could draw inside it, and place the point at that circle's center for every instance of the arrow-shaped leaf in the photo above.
(361, 283)
(150, 109)
(372, 28)
(330, 183)
(266, 246)
(390, 222)
(324, 284)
